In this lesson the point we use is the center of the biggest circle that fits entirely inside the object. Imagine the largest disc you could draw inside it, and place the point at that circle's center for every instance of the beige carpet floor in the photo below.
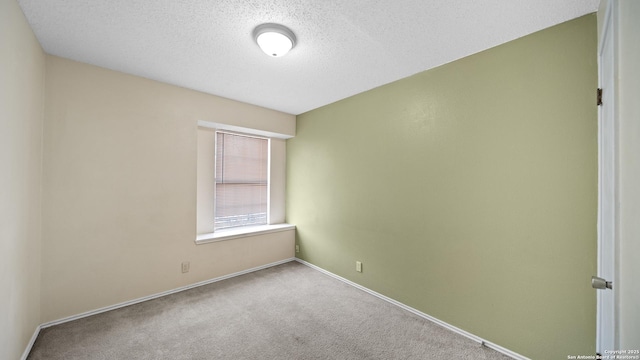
(288, 311)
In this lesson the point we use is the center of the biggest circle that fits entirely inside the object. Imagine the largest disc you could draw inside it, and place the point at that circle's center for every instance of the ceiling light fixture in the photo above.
(274, 39)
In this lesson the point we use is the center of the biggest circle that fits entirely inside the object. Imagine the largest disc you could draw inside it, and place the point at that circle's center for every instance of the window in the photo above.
(241, 180)
(240, 187)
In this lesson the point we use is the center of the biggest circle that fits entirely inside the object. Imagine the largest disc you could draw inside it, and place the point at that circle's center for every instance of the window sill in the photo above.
(229, 234)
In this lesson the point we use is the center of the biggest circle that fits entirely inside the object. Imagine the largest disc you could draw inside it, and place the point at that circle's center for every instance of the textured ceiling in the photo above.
(344, 46)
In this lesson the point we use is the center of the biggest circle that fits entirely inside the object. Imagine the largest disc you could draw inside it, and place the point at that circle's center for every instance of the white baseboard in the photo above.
(187, 287)
(164, 293)
(27, 350)
(467, 334)
(142, 299)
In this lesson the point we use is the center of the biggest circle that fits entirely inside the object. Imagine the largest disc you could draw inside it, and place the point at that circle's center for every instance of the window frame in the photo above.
(205, 188)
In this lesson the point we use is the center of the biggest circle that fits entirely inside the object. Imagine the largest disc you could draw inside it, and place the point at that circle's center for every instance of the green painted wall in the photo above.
(468, 191)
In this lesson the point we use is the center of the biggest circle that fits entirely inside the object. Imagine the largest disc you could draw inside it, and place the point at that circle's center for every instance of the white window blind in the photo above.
(241, 180)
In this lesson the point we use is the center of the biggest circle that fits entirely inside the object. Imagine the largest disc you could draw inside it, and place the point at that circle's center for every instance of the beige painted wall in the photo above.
(468, 191)
(120, 189)
(22, 65)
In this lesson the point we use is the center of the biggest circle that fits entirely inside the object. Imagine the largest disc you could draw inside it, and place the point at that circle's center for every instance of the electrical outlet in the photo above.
(358, 266)
(185, 267)
(297, 248)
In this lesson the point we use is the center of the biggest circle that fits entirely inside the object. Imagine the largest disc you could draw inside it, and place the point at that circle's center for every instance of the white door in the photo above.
(607, 204)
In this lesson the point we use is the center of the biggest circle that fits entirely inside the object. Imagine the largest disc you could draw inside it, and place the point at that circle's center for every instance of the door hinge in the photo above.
(599, 101)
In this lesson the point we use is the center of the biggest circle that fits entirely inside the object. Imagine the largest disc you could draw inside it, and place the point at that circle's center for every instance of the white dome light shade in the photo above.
(275, 40)
(274, 44)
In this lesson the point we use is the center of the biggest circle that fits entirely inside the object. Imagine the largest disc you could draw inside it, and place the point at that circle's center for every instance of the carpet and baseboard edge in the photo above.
(27, 350)
(448, 326)
(143, 299)
(247, 271)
